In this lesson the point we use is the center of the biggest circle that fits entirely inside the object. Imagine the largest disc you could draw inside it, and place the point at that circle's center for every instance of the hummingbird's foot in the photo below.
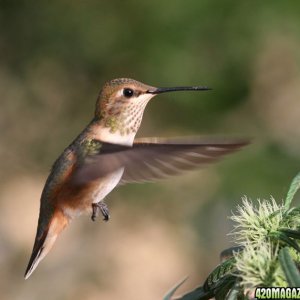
(103, 208)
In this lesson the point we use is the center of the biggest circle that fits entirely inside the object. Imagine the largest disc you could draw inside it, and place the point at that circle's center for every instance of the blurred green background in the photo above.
(54, 58)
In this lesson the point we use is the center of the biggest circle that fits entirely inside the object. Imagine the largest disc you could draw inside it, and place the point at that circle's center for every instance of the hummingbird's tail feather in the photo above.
(45, 239)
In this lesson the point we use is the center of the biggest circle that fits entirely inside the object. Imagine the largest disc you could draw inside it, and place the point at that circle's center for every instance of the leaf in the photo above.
(174, 289)
(218, 283)
(295, 234)
(294, 211)
(285, 239)
(229, 252)
(289, 268)
(196, 294)
(219, 272)
(234, 292)
(295, 185)
(223, 286)
(290, 242)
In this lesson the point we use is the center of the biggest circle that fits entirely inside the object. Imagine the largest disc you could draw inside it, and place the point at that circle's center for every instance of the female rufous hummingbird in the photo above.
(106, 154)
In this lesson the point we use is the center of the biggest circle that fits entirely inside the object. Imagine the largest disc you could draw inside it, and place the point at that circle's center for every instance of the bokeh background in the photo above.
(54, 57)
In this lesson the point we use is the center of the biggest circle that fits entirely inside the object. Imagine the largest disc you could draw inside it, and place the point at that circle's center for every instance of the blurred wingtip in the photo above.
(238, 141)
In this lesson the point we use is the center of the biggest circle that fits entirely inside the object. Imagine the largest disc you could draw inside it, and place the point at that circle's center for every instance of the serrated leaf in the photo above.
(169, 295)
(295, 185)
(290, 242)
(217, 284)
(289, 268)
(229, 252)
(219, 272)
(295, 234)
(285, 239)
(292, 212)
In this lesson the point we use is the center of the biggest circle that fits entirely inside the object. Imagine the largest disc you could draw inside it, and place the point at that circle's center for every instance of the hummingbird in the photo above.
(106, 154)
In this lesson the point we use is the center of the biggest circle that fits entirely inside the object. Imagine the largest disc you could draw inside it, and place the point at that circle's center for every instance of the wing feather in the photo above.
(153, 158)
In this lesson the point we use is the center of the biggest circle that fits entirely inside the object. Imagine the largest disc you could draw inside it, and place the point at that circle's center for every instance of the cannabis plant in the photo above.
(267, 254)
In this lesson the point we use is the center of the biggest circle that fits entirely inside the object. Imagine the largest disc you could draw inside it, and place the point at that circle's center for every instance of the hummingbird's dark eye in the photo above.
(128, 92)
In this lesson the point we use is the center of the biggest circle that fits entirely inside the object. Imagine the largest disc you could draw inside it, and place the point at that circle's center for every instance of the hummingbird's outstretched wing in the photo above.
(161, 158)
(153, 158)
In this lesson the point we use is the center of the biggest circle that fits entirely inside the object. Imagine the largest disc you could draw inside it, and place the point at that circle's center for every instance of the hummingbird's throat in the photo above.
(121, 122)
(125, 122)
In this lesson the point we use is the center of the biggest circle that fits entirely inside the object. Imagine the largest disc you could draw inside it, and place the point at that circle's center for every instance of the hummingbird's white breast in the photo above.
(106, 184)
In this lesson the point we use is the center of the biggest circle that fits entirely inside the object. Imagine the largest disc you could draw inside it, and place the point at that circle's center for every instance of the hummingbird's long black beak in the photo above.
(178, 88)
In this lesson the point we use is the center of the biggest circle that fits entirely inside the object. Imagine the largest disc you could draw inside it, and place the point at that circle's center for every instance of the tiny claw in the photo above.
(103, 208)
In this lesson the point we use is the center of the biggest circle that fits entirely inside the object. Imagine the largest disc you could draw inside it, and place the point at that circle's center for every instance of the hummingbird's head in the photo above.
(121, 104)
